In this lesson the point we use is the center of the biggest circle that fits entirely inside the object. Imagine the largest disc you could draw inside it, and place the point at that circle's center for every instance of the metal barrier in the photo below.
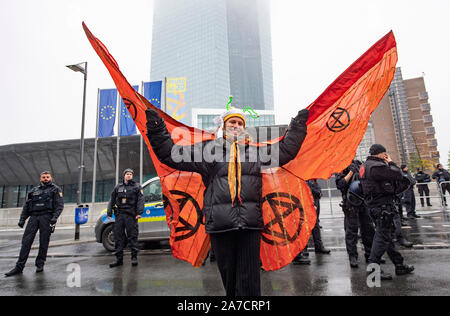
(331, 198)
(436, 192)
(442, 192)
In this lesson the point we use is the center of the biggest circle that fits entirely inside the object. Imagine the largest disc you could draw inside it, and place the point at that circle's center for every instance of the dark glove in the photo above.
(354, 167)
(53, 220)
(153, 118)
(21, 224)
(302, 116)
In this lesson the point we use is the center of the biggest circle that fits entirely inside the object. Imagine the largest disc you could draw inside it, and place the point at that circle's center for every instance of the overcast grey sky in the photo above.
(312, 42)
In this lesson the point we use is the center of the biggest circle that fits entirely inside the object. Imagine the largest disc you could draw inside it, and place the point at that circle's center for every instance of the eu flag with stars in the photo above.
(152, 92)
(127, 125)
(107, 112)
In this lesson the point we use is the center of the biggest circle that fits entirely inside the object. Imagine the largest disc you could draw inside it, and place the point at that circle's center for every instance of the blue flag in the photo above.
(127, 125)
(152, 92)
(107, 112)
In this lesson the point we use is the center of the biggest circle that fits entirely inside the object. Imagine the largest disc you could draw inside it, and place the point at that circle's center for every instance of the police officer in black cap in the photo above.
(408, 198)
(422, 180)
(355, 213)
(43, 206)
(127, 201)
(381, 180)
(442, 177)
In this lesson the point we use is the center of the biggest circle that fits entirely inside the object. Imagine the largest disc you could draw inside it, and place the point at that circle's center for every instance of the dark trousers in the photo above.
(382, 241)
(35, 223)
(238, 259)
(316, 234)
(398, 233)
(444, 187)
(129, 224)
(423, 190)
(409, 201)
(358, 218)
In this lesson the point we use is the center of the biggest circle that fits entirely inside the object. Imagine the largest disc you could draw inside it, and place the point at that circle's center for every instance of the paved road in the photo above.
(160, 274)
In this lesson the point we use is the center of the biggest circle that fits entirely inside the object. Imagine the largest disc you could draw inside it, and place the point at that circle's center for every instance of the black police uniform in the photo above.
(43, 206)
(355, 216)
(380, 183)
(408, 198)
(127, 200)
(442, 175)
(316, 234)
(422, 180)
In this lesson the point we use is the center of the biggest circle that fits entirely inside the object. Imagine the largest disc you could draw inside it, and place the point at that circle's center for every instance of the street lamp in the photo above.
(83, 69)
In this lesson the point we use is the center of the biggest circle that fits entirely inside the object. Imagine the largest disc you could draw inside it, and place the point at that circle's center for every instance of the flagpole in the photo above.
(141, 145)
(165, 94)
(94, 172)
(119, 106)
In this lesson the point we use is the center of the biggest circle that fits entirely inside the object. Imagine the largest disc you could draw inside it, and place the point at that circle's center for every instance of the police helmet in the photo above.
(354, 194)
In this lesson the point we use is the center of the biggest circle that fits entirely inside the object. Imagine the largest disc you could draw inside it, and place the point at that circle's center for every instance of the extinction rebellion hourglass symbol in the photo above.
(339, 120)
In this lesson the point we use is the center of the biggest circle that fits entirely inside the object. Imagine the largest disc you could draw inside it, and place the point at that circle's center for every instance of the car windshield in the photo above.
(153, 192)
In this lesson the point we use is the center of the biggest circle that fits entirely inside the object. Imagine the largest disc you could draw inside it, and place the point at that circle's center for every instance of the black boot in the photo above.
(116, 263)
(402, 269)
(405, 243)
(39, 269)
(353, 262)
(134, 261)
(14, 271)
(322, 250)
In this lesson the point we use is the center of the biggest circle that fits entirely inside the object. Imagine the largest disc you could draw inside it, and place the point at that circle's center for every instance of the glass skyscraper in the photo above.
(222, 48)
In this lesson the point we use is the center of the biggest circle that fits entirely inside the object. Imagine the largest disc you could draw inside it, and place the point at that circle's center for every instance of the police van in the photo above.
(152, 225)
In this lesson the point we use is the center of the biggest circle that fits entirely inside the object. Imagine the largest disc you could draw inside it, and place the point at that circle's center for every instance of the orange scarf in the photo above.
(235, 158)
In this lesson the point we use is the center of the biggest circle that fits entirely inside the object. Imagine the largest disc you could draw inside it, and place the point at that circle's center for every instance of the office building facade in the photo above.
(222, 48)
(403, 122)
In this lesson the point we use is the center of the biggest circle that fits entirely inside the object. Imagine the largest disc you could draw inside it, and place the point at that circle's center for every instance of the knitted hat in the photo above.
(128, 170)
(377, 149)
(220, 120)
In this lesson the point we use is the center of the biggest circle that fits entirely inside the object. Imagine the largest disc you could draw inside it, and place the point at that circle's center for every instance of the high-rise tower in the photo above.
(222, 48)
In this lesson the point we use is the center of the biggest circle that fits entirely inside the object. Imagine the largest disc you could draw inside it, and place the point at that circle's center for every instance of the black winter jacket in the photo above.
(132, 196)
(220, 214)
(52, 193)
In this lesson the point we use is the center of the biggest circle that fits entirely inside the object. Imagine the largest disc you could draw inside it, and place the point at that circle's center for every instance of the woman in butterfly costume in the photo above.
(231, 171)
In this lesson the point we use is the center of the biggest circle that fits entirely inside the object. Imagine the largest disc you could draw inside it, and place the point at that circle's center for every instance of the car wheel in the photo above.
(108, 238)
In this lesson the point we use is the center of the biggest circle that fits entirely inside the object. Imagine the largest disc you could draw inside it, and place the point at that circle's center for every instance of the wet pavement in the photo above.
(82, 268)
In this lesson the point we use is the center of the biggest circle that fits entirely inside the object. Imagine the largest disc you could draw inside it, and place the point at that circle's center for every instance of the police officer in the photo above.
(441, 175)
(127, 201)
(408, 197)
(355, 213)
(302, 257)
(43, 206)
(316, 235)
(422, 180)
(381, 180)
